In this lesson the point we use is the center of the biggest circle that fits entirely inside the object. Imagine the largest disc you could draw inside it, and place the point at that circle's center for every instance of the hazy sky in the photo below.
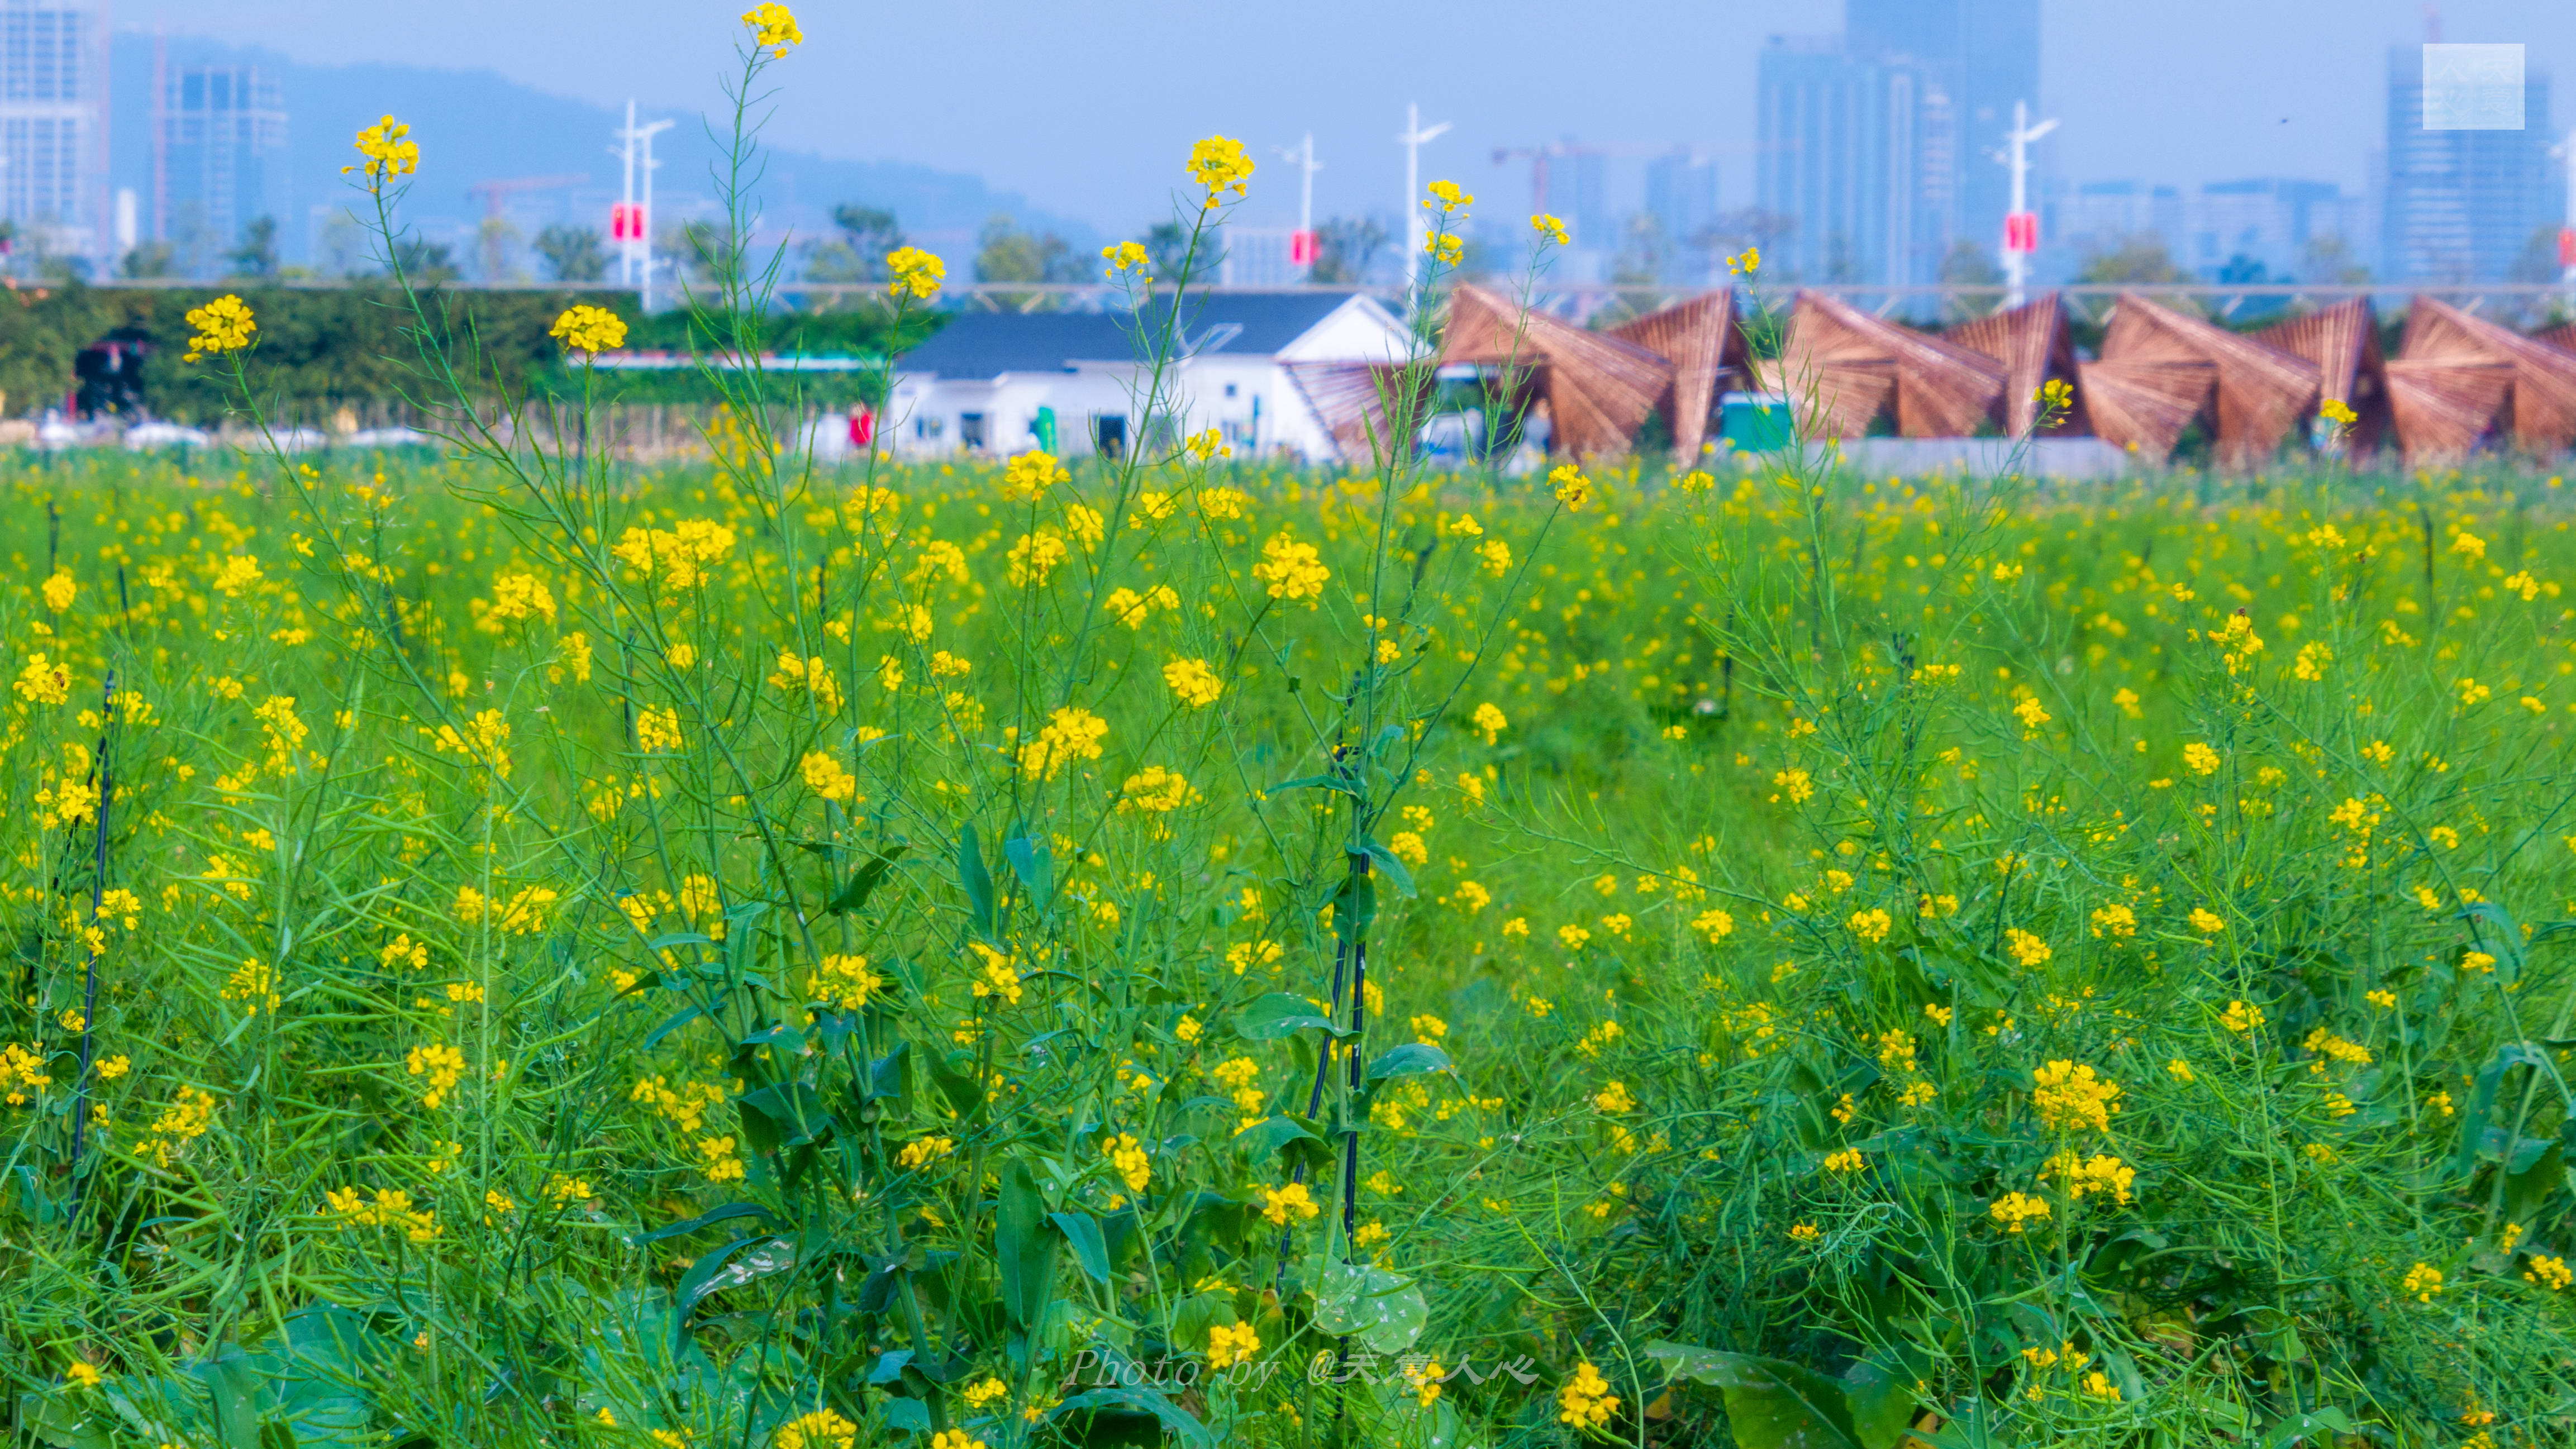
(1089, 108)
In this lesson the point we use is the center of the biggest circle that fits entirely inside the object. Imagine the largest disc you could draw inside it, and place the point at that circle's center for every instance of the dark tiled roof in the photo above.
(988, 344)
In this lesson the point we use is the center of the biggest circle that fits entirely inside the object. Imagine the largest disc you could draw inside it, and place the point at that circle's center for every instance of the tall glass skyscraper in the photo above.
(221, 163)
(53, 122)
(2463, 205)
(1874, 145)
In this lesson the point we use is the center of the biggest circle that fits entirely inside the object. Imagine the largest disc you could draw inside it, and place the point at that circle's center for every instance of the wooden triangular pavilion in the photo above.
(1352, 399)
(2443, 410)
(1599, 388)
(1841, 367)
(2260, 392)
(1699, 337)
(2342, 343)
(2143, 406)
(2036, 347)
(2541, 405)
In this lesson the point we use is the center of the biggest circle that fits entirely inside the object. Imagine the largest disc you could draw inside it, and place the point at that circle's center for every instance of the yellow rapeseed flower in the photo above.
(387, 151)
(222, 325)
(773, 27)
(1217, 163)
(916, 272)
(589, 330)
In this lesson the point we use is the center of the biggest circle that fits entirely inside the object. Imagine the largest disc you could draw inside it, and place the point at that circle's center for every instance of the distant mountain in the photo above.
(478, 126)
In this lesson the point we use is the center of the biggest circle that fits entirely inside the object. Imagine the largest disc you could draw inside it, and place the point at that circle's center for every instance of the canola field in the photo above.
(740, 955)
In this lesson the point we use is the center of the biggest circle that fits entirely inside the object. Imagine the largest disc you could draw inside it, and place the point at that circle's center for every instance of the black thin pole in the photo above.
(97, 892)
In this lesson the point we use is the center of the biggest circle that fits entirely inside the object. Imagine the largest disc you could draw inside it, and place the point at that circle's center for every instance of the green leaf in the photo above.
(2474, 1124)
(1384, 1310)
(791, 1107)
(891, 1076)
(1176, 1421)
(963, 1089)
(731, 1266)
(1267, 1137)
(1090, 1249)
(1393, 867)
(864, 883)
(1354, 905)
(2497, 934)
(2318, 1427)
(679, 938)
(1026, 1249)
(1318, 782)
(1032, 863)
(709, 1218)
(1881, 1399)
(1409, 1060)
(1770, 1404)
(670, 1024)
(781, 1035)
(1268, 1018)
(975, 880)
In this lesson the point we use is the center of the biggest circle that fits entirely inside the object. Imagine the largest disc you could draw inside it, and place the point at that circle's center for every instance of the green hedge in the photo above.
(321, 349)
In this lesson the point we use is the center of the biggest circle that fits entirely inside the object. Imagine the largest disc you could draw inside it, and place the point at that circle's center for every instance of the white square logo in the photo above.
(2472, 87)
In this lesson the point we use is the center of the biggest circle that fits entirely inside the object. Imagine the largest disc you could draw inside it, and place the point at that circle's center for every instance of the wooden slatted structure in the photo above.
(1599, 388)
(2143, 406)
(2342, 343)
(2442, 410)
(2036, 347)
(1352, 399)
(1700, 338)
(1841, 367)
(2540, 404)
(2259, 393)
(2562, 337)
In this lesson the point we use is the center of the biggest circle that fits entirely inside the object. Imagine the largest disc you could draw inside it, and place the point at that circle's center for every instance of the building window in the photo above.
(970, 430)
(1109, 434)
(929, 430)
(1229, 389)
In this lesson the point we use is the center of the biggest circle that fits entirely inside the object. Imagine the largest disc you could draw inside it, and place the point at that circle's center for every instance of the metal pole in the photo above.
(1307, 166)
(1412, 190)
(626, 197)
(1306, 184)
(1414, 135)
(2567, 234)
(2017, 261)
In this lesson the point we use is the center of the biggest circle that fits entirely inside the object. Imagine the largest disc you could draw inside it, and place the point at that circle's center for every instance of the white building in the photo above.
(993, 384)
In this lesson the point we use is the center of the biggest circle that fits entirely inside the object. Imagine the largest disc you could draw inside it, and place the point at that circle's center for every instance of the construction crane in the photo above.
(496, 194)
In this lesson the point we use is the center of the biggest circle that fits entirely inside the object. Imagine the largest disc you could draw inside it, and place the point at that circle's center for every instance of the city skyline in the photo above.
(1609, 173)
(2294, 92)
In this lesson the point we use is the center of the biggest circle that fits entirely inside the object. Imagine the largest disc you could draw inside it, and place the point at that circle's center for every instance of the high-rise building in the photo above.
(1859, 158)
(2462, 205)
(1681, 193)
(220, 162)
(1586, 180)
(53, 122)
(2270, 222)
(1984, 54)
(1874, 145)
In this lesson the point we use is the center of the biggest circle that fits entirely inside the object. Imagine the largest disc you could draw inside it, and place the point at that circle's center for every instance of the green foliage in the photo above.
(319, 347)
